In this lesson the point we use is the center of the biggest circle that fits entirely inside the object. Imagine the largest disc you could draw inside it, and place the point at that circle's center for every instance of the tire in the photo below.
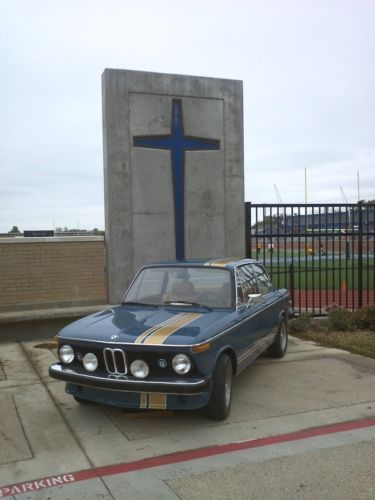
(280, 345)
(221, 396)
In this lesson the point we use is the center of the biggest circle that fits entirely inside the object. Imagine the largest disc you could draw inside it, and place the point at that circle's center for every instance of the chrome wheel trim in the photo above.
(283, 336)
(228, 386)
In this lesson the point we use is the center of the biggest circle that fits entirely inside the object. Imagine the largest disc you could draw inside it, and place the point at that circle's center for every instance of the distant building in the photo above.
(323, 219)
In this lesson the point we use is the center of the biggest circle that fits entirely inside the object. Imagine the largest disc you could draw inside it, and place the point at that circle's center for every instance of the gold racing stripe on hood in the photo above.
(160, 335)
(150, 331)
(219, 262)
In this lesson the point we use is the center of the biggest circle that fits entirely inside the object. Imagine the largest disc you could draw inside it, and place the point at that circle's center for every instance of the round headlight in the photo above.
(90, 362)
(181, 364)
(139, 368)
(66, 353)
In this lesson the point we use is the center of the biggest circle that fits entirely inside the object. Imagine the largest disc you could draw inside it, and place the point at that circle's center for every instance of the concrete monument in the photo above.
(173, 170)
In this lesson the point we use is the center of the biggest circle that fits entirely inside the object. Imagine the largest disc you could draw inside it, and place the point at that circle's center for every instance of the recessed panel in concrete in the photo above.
(173, 167)
(265, 391)
(270, 390)
(41, 355)
(54, 447)
(16, 366)
(13, 444)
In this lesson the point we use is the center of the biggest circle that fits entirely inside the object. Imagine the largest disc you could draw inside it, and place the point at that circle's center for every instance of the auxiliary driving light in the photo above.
(181, 364)
(139, 368)
(66, 354)
(90, 362)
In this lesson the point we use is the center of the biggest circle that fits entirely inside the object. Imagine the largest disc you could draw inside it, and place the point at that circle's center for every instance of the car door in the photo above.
(271, 308)
(250, 329)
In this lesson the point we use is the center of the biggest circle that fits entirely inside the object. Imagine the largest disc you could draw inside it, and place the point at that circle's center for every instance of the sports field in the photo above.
(315, 283)
(330, 272)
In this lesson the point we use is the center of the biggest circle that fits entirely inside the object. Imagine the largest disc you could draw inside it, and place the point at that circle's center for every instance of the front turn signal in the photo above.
(201, 347)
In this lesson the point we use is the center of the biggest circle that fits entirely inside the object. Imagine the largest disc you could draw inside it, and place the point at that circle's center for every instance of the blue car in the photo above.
(183, 330)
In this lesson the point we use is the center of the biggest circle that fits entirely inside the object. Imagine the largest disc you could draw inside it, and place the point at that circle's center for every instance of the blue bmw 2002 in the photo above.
(182, 331)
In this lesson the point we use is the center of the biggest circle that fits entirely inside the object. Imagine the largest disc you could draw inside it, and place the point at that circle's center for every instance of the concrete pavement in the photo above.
(46, 434)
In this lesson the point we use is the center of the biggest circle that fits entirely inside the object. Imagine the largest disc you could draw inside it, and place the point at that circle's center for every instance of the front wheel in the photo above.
(221, 395)
(280, 345)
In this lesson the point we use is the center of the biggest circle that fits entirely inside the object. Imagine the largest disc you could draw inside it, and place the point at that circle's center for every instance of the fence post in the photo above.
(360, 256)
(248, 229)
(291, 285)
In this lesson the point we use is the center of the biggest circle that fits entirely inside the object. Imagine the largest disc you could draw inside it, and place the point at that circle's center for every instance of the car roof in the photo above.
(226, 262)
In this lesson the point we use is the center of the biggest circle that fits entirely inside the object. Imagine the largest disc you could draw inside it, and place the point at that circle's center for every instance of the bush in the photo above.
(364, 319)
(301, 324)
(340, 320)
(343, 320)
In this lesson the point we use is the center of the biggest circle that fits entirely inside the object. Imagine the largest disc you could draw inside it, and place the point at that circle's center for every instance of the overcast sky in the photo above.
(308, 69)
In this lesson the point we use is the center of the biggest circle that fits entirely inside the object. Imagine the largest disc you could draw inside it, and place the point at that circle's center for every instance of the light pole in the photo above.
(347, 238)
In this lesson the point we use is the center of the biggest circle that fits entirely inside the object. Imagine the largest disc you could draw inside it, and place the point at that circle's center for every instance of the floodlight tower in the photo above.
(282, 214)
(347, 238)
(277, 194)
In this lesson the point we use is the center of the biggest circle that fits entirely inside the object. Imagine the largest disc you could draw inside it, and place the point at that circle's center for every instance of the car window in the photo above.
(264, 283)
(162, 285)
(246, 284)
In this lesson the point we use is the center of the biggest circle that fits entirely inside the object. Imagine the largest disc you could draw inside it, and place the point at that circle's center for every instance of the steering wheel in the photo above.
(203, 297)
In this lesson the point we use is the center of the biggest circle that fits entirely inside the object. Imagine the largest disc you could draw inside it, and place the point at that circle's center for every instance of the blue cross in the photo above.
(177, 143)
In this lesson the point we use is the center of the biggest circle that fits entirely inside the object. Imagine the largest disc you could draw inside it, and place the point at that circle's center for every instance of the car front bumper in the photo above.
(123, 383)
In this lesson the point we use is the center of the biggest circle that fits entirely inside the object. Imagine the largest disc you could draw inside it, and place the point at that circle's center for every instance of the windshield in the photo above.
(208, 287)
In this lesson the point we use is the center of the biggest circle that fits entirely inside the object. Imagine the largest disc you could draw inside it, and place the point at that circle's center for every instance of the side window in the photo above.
(246, 284)
(264, 282)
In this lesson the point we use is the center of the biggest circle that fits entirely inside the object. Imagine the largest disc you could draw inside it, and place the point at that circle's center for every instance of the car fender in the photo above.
(283, 316)
(227, 349)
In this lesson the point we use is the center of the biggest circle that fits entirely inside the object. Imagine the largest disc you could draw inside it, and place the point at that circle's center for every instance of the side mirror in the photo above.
(254, 298)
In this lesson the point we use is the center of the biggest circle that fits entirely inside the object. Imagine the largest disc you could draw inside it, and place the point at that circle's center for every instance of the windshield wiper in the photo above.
(132, 303)
(187, 303)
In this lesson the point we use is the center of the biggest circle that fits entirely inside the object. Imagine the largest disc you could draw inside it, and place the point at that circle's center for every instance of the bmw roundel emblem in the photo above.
(115, 336)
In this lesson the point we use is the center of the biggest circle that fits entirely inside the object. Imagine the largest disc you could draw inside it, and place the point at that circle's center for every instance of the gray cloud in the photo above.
(308, 77)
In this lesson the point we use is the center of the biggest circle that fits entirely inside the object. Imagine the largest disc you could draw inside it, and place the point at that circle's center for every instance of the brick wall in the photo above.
(51, 272)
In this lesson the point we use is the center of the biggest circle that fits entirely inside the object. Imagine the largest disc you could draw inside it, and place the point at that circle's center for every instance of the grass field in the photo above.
(326, 273)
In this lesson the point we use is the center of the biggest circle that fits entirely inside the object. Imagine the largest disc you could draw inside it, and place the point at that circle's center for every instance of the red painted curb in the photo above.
(182, 456)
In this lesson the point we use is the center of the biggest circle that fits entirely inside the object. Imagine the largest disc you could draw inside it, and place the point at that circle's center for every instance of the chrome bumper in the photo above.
(124, 383)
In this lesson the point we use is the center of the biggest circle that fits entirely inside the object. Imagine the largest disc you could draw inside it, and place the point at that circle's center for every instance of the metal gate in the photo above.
(324, 254)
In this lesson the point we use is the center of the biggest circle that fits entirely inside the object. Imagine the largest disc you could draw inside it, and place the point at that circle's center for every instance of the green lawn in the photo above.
(330, 274)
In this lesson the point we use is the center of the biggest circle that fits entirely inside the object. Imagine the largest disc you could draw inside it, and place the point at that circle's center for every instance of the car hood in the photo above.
(149, 326)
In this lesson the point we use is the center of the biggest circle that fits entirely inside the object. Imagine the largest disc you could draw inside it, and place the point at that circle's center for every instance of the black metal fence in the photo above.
(324, 254)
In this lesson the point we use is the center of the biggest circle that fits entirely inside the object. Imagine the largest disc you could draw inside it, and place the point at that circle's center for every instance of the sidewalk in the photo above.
(52, 447)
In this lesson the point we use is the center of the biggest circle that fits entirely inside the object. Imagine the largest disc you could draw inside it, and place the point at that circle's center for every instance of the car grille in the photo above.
(115, 361)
